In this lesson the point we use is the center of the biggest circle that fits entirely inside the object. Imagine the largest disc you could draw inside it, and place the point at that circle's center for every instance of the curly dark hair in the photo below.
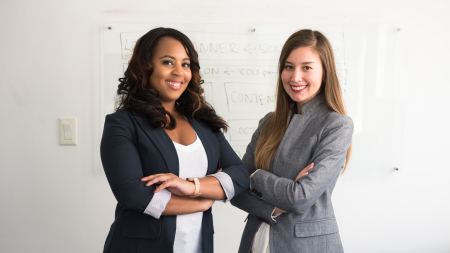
(135, 93)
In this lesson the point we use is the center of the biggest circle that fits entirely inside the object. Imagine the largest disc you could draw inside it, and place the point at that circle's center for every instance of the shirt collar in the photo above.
(316, 103)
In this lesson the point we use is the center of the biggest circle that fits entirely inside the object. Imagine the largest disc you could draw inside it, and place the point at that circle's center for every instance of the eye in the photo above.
(186, 65)
(306, 68)
(168, 62)
(288, 67)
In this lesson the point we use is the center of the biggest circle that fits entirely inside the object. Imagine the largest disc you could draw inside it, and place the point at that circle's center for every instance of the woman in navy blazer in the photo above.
(146, 144)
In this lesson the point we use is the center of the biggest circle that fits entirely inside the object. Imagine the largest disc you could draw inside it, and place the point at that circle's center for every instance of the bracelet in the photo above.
(196, 182)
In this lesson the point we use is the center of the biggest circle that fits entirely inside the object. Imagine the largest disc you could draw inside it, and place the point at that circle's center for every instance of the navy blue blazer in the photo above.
(131, 149)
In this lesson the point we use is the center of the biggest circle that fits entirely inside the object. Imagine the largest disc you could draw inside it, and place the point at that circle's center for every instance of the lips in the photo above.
(175, 85)
(297, 88)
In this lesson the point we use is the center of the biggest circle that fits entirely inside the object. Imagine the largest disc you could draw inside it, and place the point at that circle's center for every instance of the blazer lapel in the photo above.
(162, 142)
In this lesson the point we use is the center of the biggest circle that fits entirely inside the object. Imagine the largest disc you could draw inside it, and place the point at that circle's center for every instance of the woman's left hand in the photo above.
(171, 182)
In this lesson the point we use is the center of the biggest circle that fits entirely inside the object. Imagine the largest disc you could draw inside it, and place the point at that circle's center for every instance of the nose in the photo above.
(177, 70)
(297, 75)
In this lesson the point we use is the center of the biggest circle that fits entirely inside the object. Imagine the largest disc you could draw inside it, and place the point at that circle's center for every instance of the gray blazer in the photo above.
(318, 135)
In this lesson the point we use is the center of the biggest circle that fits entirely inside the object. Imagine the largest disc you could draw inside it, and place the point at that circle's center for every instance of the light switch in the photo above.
(68, 131)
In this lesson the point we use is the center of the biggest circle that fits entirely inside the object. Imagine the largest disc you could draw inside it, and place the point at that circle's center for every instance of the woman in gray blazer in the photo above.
(309, 126)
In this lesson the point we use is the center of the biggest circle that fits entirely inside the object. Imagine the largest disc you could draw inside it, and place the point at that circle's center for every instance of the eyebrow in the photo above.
(306, 62)
(171, 57)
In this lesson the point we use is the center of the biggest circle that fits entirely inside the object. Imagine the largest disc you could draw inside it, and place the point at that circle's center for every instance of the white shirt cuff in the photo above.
(276, 212)
(158, 203)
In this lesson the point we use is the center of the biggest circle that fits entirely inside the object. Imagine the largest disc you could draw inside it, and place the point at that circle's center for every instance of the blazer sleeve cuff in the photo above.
(158, 203)
(226, 183)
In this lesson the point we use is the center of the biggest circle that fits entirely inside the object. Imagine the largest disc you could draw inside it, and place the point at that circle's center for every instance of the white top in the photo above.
(193, 163)
(261, 239)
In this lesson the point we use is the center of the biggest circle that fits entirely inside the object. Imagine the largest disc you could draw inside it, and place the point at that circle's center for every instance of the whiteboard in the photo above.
(238, 66)
(239, 69)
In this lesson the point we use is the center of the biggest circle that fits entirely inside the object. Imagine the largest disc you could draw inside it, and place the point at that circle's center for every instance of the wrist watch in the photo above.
(196, 182)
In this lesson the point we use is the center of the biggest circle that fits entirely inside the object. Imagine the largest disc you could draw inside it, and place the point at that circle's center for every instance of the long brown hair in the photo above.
(136, 94)
(277, 122)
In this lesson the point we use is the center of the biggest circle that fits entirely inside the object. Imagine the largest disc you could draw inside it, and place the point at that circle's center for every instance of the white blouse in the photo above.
(193, 163)
(261, 239)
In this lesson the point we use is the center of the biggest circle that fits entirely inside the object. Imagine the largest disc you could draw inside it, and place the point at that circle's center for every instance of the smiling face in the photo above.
(171, 70)
(302, 74)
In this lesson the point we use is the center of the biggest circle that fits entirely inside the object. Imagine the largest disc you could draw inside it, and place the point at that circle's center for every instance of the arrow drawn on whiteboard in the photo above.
(228, 72)
(267, 73)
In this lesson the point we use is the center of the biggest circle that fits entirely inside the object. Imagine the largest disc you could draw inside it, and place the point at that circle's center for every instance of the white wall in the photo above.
(54, 199)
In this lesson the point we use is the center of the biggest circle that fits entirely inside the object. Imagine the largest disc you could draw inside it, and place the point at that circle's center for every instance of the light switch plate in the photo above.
(68, 131)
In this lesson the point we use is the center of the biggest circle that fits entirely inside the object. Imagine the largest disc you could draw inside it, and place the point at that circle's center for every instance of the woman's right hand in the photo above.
(304, 171)
(171, 182)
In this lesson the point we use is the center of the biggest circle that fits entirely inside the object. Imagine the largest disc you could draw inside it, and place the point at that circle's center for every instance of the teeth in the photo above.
(298, 88)
(174, 85)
